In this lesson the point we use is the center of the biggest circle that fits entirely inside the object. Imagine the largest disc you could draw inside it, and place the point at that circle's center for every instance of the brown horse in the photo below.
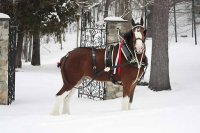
(79, 64)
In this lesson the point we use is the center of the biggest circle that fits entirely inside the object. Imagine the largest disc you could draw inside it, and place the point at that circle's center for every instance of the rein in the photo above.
(106, 69)
(116, 66)
(139, 66)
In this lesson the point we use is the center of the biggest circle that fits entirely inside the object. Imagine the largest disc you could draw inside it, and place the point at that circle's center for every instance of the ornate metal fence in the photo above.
(94, 36)
(11, 61)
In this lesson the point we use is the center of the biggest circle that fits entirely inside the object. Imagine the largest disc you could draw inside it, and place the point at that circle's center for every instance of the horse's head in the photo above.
(139, 34)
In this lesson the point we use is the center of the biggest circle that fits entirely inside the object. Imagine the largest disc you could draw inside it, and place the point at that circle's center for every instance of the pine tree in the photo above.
(39, 17)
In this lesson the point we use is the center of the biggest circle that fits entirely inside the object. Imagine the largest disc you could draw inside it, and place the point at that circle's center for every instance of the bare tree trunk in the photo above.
(77, 32)
(159, 75)
(19, 47)
(26, 48)
(121, 7)
(127, 10)
(60, 41)
(30, 47)
(36, 48)
(116, 7)
(150, 21)
(107, 3)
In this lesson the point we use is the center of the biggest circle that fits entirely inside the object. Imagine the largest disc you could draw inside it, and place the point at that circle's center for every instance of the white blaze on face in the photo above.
(139, 44)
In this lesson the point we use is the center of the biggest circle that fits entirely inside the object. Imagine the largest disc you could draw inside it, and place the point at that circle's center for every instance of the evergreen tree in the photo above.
(39, 17)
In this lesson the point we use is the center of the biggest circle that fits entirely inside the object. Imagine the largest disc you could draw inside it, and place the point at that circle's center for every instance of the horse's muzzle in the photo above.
(139, 50)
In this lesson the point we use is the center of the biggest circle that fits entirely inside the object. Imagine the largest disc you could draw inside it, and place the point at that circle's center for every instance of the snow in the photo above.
(54, 14)
(175, 111)
(113, 18)
(94, 5)
(2, 15)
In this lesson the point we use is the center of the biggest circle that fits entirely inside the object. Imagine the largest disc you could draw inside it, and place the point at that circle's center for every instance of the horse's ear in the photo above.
(141, 21)
(132, 22)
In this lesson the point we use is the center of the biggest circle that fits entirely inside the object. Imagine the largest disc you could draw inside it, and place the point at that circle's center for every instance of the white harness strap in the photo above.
(116, 61)
(138, 26)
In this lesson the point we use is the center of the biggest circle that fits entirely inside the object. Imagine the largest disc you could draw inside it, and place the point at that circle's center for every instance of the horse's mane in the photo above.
(128, 37)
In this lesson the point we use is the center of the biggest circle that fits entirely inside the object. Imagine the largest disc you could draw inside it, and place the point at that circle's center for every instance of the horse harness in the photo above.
(109, 61)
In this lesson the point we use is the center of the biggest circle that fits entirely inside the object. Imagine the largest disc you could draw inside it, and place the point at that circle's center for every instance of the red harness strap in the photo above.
(120, 55)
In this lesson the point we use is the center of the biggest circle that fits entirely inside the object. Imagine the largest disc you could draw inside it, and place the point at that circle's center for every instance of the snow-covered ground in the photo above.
(175, 111)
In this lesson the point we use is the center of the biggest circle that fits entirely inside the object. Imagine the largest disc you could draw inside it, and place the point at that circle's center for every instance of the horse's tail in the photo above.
(59, 63)
(62, 60)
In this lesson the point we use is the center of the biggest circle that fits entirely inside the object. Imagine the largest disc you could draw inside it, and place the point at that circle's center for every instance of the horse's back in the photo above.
(78, 56)
(80, 52)
(85, 54)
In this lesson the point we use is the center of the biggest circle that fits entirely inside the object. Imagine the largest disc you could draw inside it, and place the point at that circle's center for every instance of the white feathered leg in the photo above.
(56, 107)
(59, 100)
(125, 103)
(66, 109)
(129, 106)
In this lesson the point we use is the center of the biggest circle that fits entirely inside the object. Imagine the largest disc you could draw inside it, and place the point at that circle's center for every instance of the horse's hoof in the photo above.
(54, 113)
(66, 113)
(124, 109)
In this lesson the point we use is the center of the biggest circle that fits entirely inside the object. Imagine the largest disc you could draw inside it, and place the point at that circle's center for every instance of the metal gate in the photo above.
(11, 60)
(93, 35)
